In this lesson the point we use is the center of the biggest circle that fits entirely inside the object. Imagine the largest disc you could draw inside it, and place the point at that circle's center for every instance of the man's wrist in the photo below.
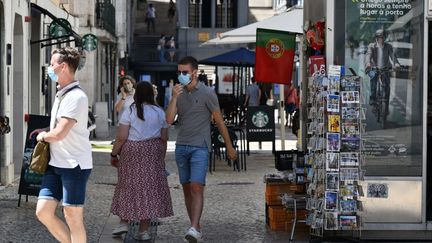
(113, 156)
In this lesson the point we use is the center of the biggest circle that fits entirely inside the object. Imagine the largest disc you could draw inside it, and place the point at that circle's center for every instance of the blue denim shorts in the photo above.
(68, 185)
(192, 163)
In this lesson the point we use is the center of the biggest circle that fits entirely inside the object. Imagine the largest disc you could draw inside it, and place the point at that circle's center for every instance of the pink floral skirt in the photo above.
(142, 189)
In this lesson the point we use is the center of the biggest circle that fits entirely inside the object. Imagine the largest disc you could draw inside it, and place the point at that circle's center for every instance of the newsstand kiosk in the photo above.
(386, 44)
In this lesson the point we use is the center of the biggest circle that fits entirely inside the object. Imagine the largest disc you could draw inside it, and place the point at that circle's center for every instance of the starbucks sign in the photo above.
(260, 125)
(56, 29)
(89, 42)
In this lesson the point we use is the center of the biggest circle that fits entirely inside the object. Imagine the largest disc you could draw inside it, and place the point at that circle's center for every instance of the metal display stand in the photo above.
(334, 143)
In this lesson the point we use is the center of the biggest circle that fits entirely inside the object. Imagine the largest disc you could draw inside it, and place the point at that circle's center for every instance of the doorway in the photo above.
(429, 131)
(18, 94)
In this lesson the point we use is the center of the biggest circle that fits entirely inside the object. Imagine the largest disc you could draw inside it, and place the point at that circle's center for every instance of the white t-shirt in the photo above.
(75, 148)
(151, 12)
(154, 121)
(127, 103)
(380, 56)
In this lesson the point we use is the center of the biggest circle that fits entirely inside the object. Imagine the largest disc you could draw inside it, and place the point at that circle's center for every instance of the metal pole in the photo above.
(282, 115)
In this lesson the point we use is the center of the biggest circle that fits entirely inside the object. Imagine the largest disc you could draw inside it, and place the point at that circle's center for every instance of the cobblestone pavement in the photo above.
(233, 210)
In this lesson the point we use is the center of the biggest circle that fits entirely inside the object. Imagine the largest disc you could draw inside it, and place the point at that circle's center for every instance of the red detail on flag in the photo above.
(274, 57)
(273, 70)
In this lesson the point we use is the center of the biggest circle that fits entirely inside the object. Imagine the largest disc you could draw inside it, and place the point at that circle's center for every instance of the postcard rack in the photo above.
(335, 113)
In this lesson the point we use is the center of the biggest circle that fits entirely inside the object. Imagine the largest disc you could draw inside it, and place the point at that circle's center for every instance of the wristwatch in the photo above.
(113, 156)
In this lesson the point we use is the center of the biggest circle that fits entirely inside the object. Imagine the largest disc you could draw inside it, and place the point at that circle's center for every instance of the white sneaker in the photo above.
(120, 229)
(142, 236)
(193, 236)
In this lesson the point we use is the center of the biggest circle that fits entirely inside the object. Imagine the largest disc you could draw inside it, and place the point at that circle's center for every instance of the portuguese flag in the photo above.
(274, 56)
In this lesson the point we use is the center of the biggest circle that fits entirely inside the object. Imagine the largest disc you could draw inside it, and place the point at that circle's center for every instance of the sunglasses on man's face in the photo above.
(182, 72)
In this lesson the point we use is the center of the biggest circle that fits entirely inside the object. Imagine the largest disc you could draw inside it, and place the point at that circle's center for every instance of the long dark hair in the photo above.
(143, 95)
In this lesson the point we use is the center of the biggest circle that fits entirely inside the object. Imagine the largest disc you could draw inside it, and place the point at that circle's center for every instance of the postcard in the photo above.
(333, 142)
(349, 174)
(348, 191)
(333, 103)
(331, 221)
(350, 130)
(348, 205)
(350, 145)
(332, 161)
(350, 83)
(334, 84)
(321, 112)
(320, 128)
(335, 70)
(349, 159)
(350, 97)
(348, 222)
(331, 201)
(332, 181)
(333, 123)
(316, 64)
(350, 113)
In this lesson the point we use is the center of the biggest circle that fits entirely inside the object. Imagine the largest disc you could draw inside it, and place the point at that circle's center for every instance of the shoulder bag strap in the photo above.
(60, 100)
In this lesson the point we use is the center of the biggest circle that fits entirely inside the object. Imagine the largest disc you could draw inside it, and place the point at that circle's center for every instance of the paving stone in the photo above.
(233, 210)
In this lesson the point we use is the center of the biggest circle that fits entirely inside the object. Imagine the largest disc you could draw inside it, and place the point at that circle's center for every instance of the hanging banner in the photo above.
(274, 56)
(384, 45)
(89, 42)
(56, 30)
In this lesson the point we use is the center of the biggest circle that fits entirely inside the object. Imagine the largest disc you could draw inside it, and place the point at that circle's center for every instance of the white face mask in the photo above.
(128, 87)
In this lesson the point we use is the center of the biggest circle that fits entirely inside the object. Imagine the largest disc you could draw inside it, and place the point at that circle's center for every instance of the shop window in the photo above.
(201, 13)
(226, 13)
(392, 40)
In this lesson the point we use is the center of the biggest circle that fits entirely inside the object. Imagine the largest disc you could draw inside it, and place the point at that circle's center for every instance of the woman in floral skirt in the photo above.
(142, 191)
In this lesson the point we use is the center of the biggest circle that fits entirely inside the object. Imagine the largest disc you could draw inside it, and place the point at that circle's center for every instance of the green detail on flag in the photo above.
(274, 40)
(274, 57)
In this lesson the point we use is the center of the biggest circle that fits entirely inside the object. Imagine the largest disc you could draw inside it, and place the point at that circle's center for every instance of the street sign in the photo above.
(56, 30)
(89, 42)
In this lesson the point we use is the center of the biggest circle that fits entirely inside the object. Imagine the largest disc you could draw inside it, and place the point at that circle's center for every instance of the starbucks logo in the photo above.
(260, 119)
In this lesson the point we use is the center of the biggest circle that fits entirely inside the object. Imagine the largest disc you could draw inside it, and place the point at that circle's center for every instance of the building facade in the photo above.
(26, 42)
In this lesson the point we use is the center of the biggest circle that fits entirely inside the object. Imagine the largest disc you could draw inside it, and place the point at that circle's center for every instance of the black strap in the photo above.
(60, 100)
(69, 90)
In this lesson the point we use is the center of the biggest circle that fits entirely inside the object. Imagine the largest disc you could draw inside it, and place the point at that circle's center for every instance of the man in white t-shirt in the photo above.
(71, 157)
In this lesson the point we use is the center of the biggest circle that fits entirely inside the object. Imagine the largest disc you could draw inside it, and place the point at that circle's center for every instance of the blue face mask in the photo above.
(53, 76)
(184, 79)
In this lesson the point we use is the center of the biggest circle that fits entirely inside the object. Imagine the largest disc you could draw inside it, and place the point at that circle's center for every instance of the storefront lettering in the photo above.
(386, 8)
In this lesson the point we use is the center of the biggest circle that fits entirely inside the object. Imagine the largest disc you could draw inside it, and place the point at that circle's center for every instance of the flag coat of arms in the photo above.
(274, 56)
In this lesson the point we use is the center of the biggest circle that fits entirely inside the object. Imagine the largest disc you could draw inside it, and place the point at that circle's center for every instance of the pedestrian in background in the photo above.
(290, 104)
(125, 91)
(161, 48)
(142, 191)
(195, 104)
(171, 11)
(253, 94)
(150, 17)
(171, 48)
(202, 77)
(71, 162)
(266, 94)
